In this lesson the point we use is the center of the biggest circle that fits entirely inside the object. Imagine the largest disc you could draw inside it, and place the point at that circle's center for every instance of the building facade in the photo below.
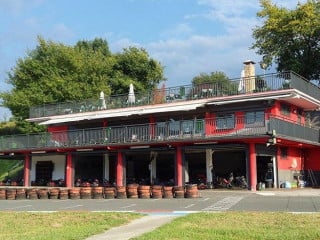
(259, 127)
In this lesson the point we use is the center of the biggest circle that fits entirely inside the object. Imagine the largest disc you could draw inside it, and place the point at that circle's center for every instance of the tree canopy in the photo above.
(214, 77)
(55, 72)
(290, 38)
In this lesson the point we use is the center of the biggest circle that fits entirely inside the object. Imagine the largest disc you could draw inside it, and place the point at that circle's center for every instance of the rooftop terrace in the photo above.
(260, 83)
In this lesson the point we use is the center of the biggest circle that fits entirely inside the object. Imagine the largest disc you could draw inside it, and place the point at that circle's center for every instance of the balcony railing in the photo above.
(185, 130)
(262, 83)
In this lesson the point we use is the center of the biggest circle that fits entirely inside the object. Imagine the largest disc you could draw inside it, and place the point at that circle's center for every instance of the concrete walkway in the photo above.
(135, 228)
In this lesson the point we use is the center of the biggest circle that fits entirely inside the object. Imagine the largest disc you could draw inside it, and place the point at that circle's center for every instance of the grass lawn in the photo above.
(240, 226)
(216, 226)
(58, 225)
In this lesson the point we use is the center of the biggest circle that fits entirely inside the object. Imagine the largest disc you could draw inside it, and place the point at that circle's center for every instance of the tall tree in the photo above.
(214, 77)
(290, 38)
(54, 72)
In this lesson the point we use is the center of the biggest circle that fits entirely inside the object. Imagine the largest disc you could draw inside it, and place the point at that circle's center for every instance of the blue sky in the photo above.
(188, 37)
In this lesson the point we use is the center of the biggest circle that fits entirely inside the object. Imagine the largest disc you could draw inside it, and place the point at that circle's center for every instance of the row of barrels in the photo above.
(120, 192)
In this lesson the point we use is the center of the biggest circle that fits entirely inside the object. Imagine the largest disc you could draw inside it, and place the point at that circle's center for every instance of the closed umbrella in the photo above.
(103, 104)
(131, 97)
(241, 83)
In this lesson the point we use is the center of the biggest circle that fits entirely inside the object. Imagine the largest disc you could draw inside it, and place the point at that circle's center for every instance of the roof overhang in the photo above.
(291, 96)
(124, 112)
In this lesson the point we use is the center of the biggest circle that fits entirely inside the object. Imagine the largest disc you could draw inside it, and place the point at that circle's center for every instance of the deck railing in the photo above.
(171, 131)
(261, 83)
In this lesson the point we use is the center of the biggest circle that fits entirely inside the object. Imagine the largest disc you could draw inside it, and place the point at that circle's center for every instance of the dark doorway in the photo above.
(265, 172)
(88, 168)
(44, 172)
(137, 168)
(165, 168)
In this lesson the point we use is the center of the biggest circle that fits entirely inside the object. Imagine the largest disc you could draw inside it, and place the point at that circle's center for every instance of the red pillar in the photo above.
(252, 167)
(69, 170)
(119, 181)
(179, 168)
(26, 179)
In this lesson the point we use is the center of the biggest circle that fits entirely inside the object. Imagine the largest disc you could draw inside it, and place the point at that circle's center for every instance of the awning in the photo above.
(125, 112)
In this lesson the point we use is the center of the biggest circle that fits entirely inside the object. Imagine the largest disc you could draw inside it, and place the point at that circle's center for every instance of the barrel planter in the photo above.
(121, 192)
(53, 193)
(97, 192)
(21, 194)
(191, 191)
(167, 192)
(74, 193)
(11, 193)
(178, 191)
(2, 194)
(109, 192)
(85, 193)
(156, 191)
(63, 193)
(144, 191)
(32, 193)
(132, 190)
(43, 193)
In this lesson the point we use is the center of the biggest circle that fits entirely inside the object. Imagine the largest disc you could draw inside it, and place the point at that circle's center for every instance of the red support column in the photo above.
(119, 181)
(179, 168)
(252, 167)
(69, 170)
(26, 178)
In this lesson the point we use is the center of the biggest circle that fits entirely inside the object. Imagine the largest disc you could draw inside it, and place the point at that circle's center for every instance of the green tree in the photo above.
(135, 65)
(214, 77)
(290, 38)
(217, 81)
(54, 72)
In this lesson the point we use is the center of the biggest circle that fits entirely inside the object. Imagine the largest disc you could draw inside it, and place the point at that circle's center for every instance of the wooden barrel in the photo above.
(132, 190)
(11, 193)
(167, 192)
(2, 193)
(178, 191)
(85, 192)
(109, 192)
(53, 193)
(74, 193)
(32, 193)
(97, 192)
(192, 191)
(121, 192)
(43, 193)
(21, 193)
(144, 191)
(156, 191)
(63, 193)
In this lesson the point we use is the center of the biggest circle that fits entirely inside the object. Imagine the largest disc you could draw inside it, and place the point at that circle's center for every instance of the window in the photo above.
(254, 118)
(299, 113)
(284, 152)
(285, 109)
(225, 121)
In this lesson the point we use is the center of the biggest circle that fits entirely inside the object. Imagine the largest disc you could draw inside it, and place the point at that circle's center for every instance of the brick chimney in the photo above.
(249, 76)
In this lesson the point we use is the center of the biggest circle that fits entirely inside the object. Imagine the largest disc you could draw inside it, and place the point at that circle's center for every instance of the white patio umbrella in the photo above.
(103, 104)
(241, 83)
(131, 97)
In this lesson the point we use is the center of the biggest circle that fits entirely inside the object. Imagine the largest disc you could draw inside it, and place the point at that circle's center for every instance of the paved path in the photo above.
(135, 228)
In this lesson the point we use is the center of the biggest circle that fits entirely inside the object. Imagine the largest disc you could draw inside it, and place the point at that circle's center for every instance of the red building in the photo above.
(260, 127)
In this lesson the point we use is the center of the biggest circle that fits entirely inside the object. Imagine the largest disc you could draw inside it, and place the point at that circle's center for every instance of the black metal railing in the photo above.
(261, 83)
(184, 130)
